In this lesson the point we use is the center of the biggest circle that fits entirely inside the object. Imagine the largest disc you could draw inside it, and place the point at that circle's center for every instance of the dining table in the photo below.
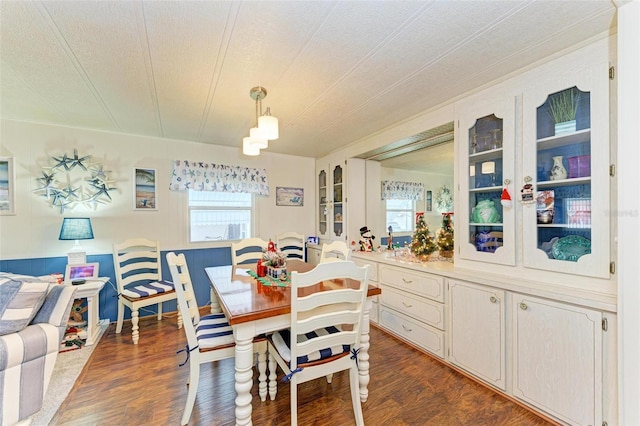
(254, 307)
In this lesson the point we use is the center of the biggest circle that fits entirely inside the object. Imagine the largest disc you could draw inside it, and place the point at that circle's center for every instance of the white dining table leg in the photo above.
(215, 304)
(243, 335)
(363, 354)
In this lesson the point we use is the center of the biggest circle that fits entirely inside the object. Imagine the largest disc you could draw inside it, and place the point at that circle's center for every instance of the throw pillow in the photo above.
(20, 299)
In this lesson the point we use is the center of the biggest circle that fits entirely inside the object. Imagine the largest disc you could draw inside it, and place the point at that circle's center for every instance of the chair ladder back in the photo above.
(248, 250)
(331, 308)
(136, 260)
(292, 244)
(335, 251)
(182, 283)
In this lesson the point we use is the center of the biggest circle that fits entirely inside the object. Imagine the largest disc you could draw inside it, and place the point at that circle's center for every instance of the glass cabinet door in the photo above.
(338, 207)
(487, 133)
(566, 146)
(323, 203)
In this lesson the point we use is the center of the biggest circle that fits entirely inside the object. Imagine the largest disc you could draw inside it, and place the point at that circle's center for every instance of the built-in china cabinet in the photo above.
(331, 201)
(556, 175)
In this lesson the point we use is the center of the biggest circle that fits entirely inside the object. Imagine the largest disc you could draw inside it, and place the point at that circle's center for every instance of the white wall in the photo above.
(33, 231)
(432, 182)
(629, 212)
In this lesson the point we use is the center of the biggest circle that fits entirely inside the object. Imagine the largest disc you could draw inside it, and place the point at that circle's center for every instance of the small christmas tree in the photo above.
(423, 243)
(445, 236)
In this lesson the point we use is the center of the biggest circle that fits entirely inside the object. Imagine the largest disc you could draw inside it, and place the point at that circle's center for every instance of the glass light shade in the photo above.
(257, 138)
(488, 167)
(248, 148)
(268, 126)
(76, 228)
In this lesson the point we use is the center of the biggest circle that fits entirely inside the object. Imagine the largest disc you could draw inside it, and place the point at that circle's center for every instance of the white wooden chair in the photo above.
(334, 317)
(334, 251)
(138, 274)
(209, 338)
(247, 251)
(292, 244)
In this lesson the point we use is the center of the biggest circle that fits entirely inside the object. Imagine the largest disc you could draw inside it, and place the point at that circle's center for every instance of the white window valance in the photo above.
(202, 176)
(396, 190)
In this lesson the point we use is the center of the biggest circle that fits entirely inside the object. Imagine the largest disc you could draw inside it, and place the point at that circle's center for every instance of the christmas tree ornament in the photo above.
(505, 198)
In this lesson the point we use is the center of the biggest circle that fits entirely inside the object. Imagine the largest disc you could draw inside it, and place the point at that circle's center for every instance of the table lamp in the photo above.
(76, 228)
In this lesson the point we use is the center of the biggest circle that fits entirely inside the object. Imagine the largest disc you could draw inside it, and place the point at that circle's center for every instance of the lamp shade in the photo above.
(248, 148)
(76, 228)
(268, 126)
(488, 167)
(257, 138)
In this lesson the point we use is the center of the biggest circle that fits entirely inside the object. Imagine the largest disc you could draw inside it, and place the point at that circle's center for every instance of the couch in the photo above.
(33, 318)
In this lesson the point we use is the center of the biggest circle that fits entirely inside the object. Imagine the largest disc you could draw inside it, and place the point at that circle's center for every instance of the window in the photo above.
(400, 215)
(219, 216)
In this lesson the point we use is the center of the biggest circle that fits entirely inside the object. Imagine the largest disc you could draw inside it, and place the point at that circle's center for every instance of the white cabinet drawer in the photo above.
(419, 308)
(423, 284)
(373, 270)
(412, 330)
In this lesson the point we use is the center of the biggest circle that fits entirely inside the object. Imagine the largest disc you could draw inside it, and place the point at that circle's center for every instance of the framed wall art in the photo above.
(144, 191)
(289, 196)
(7, 186)
(429, 201)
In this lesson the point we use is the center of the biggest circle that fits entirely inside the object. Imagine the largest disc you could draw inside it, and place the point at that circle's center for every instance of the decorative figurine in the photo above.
(366, 239)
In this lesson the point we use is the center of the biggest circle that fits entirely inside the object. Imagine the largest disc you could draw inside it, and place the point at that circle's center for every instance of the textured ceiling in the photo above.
(335, 71)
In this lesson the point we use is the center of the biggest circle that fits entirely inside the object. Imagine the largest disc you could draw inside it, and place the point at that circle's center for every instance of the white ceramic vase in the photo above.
(558, 172)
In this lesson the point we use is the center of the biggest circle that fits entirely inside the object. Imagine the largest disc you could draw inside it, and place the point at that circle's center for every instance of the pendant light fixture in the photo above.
(266, 126)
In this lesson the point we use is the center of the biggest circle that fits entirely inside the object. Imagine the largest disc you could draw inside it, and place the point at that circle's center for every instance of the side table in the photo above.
(90, 290)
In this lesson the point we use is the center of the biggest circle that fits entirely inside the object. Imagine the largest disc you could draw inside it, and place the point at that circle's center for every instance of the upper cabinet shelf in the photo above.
(577, 137)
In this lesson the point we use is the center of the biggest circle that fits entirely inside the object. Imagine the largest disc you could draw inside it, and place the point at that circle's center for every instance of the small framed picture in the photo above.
(7, 187)
(289, 196)
(144, 190)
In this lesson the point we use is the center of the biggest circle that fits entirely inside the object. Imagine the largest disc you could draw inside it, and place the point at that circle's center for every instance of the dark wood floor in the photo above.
(126, 384)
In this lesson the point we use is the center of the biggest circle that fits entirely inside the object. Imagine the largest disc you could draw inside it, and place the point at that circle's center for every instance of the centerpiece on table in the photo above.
(275, 262)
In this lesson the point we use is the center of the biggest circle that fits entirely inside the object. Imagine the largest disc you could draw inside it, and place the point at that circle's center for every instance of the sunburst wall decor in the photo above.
(72, 181)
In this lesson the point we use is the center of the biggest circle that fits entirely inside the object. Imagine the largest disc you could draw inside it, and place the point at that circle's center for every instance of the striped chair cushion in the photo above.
(213, 330)
(20, 299)
(281, 340)
(149, 289)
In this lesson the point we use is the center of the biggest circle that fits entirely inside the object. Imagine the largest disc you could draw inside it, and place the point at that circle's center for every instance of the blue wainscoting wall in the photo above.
(197, 260)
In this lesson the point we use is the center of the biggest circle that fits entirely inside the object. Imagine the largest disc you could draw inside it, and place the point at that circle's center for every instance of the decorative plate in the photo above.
(571, 248)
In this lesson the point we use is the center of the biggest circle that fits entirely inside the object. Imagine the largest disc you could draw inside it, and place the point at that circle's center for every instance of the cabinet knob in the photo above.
(407, 305)
(406, 328)
(406, 281)
(493, 299)
(523, 306)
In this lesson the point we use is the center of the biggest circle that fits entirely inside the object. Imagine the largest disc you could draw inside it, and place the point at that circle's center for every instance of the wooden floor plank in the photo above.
(127, 384)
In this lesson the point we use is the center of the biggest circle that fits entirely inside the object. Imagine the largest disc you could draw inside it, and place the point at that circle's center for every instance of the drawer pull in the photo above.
(407, 305)
(523, 306)
(405, 328)
(493, 299)
(406, 281)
